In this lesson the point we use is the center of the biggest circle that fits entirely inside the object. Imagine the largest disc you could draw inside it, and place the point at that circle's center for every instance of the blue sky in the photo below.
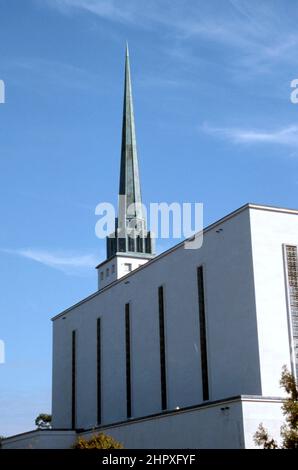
(215, 124)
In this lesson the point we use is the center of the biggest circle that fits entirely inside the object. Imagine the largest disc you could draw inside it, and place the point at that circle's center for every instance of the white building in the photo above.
(185, 349)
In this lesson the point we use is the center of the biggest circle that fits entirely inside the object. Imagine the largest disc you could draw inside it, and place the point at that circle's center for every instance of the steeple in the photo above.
(129, 168)
(131, 236)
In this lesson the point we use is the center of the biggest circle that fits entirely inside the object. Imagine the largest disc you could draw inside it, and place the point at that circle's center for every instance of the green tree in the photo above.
(98, 441)
(43, 421)
(262, 438)
(289, 430)
(1, 440)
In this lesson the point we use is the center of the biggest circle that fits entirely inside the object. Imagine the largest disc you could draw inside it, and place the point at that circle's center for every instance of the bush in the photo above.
(98, 441)
(43, 421)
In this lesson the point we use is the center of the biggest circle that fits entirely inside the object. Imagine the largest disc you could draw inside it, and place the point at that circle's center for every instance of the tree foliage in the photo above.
(262, 438)
(1, 440)
(289, 430)
(43, 421)
(98, 441)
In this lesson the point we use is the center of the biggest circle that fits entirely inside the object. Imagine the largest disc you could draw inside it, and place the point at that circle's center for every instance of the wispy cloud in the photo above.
(287, 136)
(67, 262)
(104, 8)
(264, 32)
(54, 73)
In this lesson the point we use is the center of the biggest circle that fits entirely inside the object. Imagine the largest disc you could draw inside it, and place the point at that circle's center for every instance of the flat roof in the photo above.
(175, 247)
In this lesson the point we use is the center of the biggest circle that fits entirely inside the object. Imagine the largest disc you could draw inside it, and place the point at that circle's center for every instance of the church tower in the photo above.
(130, 245)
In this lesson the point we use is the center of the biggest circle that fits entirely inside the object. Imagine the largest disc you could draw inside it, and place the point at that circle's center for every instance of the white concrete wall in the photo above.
(270, 230)
(41, 440)
(264, 411)
(61, 377)
(104, 279)
(225, 425)
(134, 261)
(204, 428)
(115, 268)
(233, 355)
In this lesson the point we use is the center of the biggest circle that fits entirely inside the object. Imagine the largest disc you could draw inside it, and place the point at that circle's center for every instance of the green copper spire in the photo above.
(131, 236)
(129, 169)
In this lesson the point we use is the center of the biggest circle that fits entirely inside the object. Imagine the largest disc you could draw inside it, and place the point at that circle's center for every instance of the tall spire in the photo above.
(131, 235)
(129, 168)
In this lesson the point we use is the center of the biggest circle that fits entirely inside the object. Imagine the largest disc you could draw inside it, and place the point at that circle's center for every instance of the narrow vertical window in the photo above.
(73, 381)
(131, 244)
(128, 365)
(203, 336)
(291, 258)
(139, 244)
(163, 380)
(148, 247)
(98, 371)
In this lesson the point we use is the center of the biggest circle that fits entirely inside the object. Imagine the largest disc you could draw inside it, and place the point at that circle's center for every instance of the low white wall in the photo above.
(47, 439)
(207, 427)
(228, 424)
(263, 411)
